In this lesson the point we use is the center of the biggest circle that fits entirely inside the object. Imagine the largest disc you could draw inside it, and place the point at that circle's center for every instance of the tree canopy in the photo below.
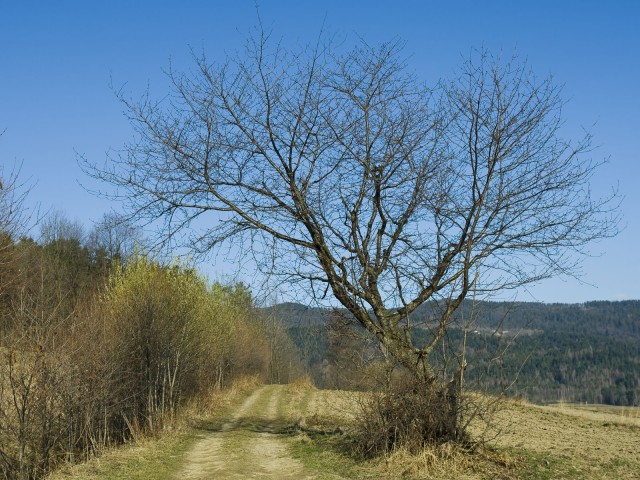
(341, 169)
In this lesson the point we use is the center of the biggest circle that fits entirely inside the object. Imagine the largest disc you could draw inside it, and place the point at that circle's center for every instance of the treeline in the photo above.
(100, 344)
(551, 365)
(586, 352)
(545, 353)
(620, 319)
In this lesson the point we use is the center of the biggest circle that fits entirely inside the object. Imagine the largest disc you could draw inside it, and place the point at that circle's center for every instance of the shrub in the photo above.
(409, 414)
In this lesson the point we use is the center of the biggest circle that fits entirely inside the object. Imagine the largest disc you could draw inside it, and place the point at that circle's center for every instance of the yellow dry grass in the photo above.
(525, 441)
(535, 442)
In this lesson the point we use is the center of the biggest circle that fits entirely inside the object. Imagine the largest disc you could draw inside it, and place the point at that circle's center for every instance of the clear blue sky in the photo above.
(58, 58)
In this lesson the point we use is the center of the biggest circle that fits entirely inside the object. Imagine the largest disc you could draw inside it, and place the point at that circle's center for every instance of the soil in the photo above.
(589, 437)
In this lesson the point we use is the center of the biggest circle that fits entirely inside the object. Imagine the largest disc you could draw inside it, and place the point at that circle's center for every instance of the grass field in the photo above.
(297, 431)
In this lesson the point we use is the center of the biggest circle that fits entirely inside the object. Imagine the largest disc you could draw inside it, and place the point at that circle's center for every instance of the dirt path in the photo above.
(247, 445)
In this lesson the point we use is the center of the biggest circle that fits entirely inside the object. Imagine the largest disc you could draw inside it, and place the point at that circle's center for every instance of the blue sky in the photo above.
(58, 59)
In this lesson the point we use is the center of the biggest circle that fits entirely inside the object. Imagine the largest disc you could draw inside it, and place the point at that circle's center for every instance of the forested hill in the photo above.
(575, 352)
(619, 319)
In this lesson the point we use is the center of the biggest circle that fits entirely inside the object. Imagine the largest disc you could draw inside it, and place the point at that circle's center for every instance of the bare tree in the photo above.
(342, 170)
(15, 219)
(116, 236)
(14, 215)
(56, 226)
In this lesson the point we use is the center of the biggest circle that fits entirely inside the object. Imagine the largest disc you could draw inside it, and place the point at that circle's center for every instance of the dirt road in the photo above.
(247, 445)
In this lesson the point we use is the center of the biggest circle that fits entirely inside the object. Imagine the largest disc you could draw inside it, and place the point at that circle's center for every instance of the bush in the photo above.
(78, 376)
(409, 414)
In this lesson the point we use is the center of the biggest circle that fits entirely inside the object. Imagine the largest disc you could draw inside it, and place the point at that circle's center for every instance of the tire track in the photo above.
(239, 451)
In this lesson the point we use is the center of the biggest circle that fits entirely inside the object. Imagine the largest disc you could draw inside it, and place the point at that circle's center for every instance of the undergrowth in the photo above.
(161, 456)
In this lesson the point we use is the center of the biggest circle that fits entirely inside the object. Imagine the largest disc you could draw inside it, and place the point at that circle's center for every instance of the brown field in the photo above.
(581, 441)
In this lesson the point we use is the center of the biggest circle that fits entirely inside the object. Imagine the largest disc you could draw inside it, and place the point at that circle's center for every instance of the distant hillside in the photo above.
(618, 319)
(575, 352)
(296, 314)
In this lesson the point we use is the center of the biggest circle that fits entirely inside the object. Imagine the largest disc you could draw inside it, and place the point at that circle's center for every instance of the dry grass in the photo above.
(302, 384)
(532, 442)
(605, 413)
(449, 462)
(216, 402)
(157, 458)
(442, 461)
(160, 457)
(537, 442)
